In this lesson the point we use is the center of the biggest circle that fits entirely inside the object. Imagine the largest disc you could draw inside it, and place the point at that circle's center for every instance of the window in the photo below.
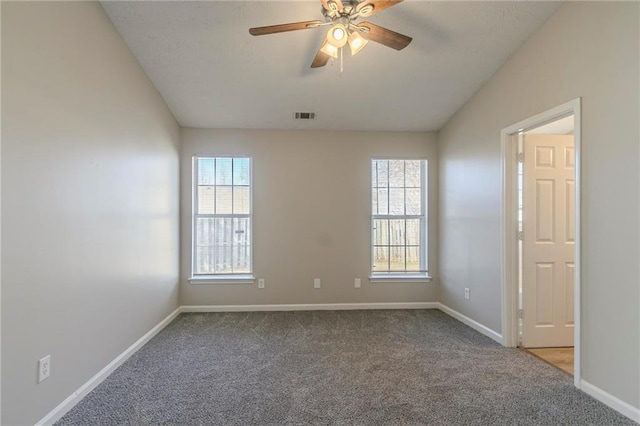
(222, 217)
(398, 218)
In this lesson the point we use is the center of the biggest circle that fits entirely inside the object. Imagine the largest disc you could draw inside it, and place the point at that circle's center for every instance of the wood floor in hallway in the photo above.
(559, 357)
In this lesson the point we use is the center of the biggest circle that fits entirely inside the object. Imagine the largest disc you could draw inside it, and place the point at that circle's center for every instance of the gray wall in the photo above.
(311, 214)
(588, 50)
(89, 201)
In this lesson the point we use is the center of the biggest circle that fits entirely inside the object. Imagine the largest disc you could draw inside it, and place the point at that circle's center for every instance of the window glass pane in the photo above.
(223, 231)
(374, 174)
(396, 173)
(222, 248)
(383, 175)
(396, 201)
(380, 232)
(223, 171)
(383, 200)
(241, 200)
(205, 200)
(413, 201)
(204, 232)
(413, 232)
(396, 232)
(241, 256)
(203, 260)
(380, 259)
(241, 246)
(396, 257)
(241, 171)
(412, 173)
(374, 201)
(222, 259)
(205, 171)
(223, 199)
(413, 258)
(204, 237)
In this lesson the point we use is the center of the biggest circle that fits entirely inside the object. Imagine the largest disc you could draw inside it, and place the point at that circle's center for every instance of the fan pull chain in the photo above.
(341, 61)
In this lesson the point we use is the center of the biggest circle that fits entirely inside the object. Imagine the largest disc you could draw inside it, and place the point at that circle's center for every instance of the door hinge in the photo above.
(520, 236)
(521, 157)
(521, 313)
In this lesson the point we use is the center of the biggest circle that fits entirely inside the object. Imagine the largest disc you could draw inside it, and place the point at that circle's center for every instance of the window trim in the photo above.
(228, 278)
(222, 279)
(399, 276)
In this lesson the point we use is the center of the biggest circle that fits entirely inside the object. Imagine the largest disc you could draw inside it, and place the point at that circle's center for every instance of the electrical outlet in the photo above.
(467, 293)
(357, 283)
(261, 283)
(316, 283)
(44, 368)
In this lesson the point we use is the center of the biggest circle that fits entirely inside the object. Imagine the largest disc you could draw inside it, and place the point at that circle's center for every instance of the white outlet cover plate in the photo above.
(44, 368)
(316, 283)
(358, 283)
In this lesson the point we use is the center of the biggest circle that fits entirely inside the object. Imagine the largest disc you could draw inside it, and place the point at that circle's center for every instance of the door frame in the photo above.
(509, 222)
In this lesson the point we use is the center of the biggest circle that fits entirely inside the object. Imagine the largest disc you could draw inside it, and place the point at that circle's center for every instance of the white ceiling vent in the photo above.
(304, 115)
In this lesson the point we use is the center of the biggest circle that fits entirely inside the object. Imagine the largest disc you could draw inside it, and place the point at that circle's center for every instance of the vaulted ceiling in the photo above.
(213, 73)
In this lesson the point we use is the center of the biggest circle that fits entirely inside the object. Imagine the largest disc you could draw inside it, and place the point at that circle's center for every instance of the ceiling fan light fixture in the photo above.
(337, 35)
(340, 17)
(356, 42)
(329, 49)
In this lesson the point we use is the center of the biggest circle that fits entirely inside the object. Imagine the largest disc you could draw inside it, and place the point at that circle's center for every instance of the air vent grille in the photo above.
(304, 115)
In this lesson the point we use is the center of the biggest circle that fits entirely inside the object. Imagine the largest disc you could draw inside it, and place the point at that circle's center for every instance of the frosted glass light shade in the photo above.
(337, 35)
(329, 49)
(357, 42)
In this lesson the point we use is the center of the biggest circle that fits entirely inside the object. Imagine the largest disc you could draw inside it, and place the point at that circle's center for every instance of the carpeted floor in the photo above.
(334, 368)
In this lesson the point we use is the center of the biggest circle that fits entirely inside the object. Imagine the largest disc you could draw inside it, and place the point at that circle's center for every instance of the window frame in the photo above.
(403, 276)
(220, 278)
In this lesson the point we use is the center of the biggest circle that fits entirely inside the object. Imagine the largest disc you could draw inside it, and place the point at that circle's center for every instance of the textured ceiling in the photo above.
(212, 73)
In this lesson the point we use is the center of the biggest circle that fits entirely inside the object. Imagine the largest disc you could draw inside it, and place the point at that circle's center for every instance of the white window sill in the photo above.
(221, 279)
(399, 278)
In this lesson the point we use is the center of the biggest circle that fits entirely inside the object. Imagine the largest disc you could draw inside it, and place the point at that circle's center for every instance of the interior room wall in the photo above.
(588, 50)
(89, 202)
(311, 195)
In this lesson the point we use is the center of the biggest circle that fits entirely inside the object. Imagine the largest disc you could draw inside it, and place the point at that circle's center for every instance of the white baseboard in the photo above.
(606, 398)
(471, 323)
(66, 405)
(309, 307)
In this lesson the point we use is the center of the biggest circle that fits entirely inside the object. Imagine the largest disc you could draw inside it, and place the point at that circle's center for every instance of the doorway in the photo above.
(541, 238)
(546, 239)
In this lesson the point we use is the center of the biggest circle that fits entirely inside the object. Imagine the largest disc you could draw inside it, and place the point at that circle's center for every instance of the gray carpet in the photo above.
(409, 367)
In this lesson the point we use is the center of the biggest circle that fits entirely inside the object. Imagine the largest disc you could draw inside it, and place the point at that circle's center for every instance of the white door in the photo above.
(548, 240)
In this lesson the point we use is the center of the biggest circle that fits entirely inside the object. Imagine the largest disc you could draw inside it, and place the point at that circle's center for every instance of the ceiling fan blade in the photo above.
(330, 8)
(320, 60)
(378, 6)
(294, 26)
(384, 36)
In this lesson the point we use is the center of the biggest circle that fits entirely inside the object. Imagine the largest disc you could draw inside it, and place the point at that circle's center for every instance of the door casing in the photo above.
(509, 276)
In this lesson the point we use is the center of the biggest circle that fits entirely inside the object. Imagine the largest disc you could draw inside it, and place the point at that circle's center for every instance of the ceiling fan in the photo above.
(341, 16)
